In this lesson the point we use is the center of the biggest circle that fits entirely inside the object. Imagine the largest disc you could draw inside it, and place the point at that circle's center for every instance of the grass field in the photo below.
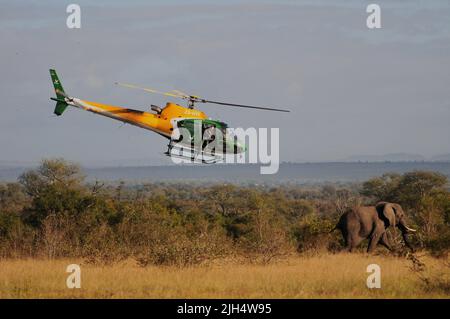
(328, 276)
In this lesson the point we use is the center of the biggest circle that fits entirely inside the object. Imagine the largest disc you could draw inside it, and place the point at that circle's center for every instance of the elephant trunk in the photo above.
(405, 230)
(406, 240)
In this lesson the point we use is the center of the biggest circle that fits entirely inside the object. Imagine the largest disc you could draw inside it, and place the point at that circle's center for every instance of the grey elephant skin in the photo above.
(372, 222)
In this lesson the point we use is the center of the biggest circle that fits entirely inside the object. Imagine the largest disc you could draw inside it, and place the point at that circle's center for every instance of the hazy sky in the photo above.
(351, 90)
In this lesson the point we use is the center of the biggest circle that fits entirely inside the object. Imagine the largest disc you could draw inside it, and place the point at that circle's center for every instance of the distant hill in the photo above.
(396, 157)
(393, 157)
(297, 173)
(16, 164)
(441, 158)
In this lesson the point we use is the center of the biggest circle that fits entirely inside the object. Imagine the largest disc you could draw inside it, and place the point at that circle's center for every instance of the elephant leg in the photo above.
(348, 239)
(384, 240)
(373, 242)
(351, 247)
(353, 242)
(407, 243)
(348, 242)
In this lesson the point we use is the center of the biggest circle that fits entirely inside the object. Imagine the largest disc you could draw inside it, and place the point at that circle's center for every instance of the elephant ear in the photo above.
(387, 213)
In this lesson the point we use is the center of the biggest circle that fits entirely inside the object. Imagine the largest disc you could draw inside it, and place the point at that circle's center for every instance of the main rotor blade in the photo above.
(182, 95)
(246, 106)
(185, 95)
(132, 86)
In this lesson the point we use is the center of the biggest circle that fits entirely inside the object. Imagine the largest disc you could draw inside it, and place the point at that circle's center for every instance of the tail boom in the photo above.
(134, 117)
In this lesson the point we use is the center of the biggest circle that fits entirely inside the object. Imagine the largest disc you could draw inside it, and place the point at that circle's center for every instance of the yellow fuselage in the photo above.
(161, 123)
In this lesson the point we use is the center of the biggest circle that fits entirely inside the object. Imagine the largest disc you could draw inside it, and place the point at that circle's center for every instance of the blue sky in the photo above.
(351, 90)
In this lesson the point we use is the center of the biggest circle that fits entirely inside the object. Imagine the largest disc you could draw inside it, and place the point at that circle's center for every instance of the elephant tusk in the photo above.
(410, 229)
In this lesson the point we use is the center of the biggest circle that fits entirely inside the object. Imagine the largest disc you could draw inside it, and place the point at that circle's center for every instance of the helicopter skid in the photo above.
(193, 155)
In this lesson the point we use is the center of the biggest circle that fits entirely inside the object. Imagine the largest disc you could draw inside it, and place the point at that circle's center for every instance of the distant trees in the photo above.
(52, 212)
(12, 202)
(55, 188)
(385, 187)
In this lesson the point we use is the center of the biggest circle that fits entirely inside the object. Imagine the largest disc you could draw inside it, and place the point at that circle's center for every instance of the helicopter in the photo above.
(168, 122)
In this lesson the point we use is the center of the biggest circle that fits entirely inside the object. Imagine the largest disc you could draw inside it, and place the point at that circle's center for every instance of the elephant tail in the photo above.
(338, 226)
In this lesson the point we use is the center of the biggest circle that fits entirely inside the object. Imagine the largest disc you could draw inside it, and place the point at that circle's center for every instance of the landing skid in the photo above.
(193, 155)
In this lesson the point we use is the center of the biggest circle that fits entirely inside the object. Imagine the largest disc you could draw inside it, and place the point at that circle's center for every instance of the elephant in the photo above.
(372, 222)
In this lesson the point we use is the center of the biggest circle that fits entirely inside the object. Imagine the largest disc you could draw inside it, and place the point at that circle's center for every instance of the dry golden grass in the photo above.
(327, 276)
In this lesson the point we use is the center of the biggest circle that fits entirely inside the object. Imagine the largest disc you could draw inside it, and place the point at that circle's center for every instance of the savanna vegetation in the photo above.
(51, 214)
(322, 275)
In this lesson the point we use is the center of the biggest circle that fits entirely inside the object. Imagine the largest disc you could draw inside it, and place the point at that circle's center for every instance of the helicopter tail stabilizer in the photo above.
(61, 96)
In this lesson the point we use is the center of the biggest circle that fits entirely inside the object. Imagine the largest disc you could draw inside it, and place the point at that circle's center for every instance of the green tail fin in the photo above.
(61, 104)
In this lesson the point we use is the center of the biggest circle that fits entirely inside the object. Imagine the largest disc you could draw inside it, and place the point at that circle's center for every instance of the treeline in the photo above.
(51, 212)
